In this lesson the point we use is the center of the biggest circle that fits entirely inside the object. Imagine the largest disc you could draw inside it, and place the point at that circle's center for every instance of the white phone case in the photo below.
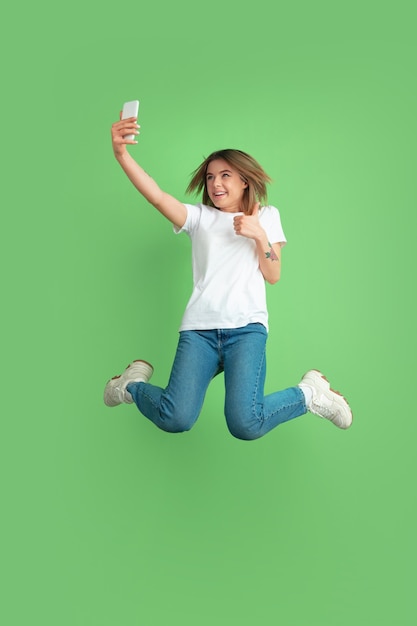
(130, 109)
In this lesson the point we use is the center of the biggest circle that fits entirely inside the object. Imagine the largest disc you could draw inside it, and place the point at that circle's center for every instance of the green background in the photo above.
(107, 521)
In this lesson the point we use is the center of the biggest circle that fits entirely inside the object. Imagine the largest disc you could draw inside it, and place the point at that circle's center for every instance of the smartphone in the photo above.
(130, 109)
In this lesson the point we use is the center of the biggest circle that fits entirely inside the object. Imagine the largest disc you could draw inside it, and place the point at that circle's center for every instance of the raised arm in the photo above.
(174, 210)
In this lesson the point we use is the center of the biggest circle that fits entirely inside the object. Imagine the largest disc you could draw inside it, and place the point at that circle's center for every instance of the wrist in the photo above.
(261, 239)
(121, 153)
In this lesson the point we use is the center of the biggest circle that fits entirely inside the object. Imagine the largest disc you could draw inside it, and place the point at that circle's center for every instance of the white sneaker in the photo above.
(326, 402)
(115, 391)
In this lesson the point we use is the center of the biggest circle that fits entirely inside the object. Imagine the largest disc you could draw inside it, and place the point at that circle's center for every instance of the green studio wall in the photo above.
(108, 521)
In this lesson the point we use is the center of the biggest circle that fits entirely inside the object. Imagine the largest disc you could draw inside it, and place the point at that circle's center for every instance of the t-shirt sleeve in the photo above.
(271, 221)
(193, 219)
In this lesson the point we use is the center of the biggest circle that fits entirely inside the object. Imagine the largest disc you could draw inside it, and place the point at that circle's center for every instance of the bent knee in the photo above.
(177, 421)
(244, 435)
(245, 432)
(176, 426)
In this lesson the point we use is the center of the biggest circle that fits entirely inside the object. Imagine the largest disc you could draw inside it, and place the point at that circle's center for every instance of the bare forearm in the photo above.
(269, 259)
(140, 179)
(170, 207)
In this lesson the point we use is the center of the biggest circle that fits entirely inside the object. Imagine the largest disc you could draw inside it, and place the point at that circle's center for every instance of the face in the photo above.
(225, 186)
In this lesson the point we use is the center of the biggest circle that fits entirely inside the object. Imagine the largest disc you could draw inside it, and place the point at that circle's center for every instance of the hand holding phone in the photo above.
(130, 109)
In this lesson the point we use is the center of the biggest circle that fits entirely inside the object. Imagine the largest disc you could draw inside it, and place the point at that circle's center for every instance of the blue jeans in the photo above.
(200, 356)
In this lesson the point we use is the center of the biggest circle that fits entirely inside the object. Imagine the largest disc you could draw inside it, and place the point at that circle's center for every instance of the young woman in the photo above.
(236, 247)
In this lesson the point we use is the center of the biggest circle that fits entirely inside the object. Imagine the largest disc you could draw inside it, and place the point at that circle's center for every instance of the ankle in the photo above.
(308, 393)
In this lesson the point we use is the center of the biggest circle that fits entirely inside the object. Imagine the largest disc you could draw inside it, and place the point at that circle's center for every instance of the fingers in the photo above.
(247, 225)
(121, 130)
(130, 124)
(239, 224)
(252, 219)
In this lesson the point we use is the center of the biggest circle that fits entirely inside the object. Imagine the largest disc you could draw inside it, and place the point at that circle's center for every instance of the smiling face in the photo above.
(225, 186)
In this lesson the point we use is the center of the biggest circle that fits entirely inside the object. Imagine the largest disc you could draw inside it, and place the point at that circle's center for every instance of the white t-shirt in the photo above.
(229, 288)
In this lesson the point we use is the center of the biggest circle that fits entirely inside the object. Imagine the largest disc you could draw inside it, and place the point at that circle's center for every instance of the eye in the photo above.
(226, 174)
(209, 176)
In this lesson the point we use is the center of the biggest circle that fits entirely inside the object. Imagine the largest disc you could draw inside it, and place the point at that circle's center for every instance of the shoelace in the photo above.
(324, 411)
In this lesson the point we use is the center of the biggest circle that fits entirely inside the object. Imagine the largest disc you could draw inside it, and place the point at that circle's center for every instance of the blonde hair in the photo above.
(249, 170)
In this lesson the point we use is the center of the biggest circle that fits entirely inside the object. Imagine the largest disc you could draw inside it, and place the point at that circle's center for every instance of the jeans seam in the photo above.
(152, 401)
(260, 419)
(290, 405)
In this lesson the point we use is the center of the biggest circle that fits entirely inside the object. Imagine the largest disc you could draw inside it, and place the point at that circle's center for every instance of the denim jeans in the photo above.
(200, 356)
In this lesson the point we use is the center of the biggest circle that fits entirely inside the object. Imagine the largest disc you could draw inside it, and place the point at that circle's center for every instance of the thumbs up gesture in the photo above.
(248, 225)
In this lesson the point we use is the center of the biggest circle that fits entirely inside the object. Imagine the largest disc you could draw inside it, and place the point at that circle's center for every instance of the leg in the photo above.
(176, 408)
(250, 414)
